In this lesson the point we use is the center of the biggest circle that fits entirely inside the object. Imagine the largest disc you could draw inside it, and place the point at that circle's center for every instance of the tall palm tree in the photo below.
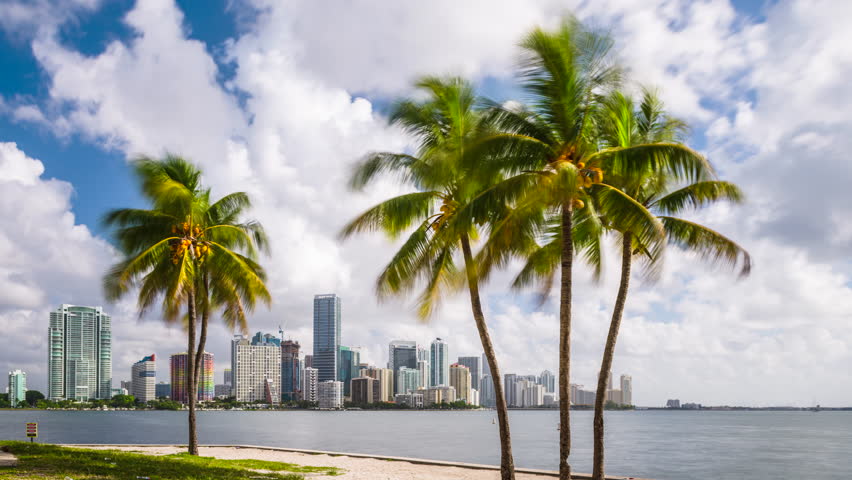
(550, 153)
(185, 252)
(662, 193)
(445, 124)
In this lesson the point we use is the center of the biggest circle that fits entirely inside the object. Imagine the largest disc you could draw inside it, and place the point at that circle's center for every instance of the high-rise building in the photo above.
(222, 390)
(366, 390)
(407, 380)
(143, 378)
(163, 390)
(385, 377)
(326, 335)
(402, 353)
(487, 397)
(309, 384)
(330, 394)
(510, 393)
(533, 394)
(424, 372)
(290, 371)
(257, 368)
(347, 367)
(439, 360)
(177, 369)
(309, 361)
(474, 364)
(548, 380)
(79, 354)
(228, 377)
(17, 387)
(412, 400)
(486, 368)
(627, 389)
(460, 379)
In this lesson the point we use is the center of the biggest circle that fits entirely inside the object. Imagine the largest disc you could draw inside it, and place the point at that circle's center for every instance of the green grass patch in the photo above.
(49, 462)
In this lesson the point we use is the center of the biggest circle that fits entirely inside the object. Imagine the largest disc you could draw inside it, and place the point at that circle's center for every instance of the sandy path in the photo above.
(356, 468)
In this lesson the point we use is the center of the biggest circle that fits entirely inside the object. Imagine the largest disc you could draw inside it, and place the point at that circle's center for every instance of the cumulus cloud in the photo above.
(289, 124)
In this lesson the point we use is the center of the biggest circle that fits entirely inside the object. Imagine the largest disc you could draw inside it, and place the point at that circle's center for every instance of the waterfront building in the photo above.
(509, 391)
(256, 365)
(330, 394)
(326, 335)
(627, 390)
(413, 400)
(438, 394)
(533, 394)
(119, 391)
(177, 370)
(423, 372)
(474, 364)
(673, 403)
(548, 380)
(222, 390)
(615, 396)
(487, 397)
(143, 378)
(407, 380)
(228, 377)
(385, 377)
(549, 400)
(17, 387)
(365, 390)
(460, 379)
(163, 390)
(402, 353)
(439, 359)
(310, 379)
(486, 369)
(347, 367)
(79, 354)
(126, 384)
(291, 370)
(474, 397)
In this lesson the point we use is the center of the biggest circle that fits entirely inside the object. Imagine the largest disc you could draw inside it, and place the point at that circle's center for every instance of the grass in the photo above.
(49, 462)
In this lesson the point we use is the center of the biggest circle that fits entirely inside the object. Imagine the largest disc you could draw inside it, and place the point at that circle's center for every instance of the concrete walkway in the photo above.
(8, 460)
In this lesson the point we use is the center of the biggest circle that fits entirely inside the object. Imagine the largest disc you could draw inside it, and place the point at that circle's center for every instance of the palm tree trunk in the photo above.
(507, 463)
(202, 338)
(565, 343)
(606, 362)
(191, 390)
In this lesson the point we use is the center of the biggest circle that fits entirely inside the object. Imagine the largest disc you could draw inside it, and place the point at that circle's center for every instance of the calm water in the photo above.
(655, 444)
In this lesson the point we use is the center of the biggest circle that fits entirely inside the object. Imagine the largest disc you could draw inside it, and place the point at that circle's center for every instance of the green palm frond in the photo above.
(707, 243)
(395, 215)
(697, 195)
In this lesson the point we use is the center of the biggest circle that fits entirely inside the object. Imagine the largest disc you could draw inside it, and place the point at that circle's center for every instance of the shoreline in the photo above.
(358, 466)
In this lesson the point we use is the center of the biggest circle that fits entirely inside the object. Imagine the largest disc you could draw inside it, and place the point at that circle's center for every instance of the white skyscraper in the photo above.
(424, 372)
(407, 380)
(330, 394)
(627, 389)
(79, 354)
(256, 367)
(143, 379)
(548, 380)
(440, 362)
(310, 379)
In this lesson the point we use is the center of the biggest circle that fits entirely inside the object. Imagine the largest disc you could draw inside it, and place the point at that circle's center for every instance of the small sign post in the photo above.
(32, 431)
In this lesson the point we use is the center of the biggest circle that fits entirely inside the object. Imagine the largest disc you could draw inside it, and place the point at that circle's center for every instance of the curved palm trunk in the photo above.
(202, 337)
(507, 463)
(565, 343)
(191, 390)
(606, 362)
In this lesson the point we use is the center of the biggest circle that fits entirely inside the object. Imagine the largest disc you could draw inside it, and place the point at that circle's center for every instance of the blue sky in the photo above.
(279, 99)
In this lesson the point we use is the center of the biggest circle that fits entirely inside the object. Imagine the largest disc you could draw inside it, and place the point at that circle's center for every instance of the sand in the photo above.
(356, 468)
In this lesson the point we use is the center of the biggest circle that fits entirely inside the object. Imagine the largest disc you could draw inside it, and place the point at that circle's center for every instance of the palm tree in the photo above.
(622, 125)
(185, 252)
(445, 124)
(550, 154)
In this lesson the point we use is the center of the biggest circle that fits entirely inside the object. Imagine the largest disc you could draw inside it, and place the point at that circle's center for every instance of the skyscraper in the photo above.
(627, 389)
(439, 361)
(509, 381)
(347, 367)
(326, 335)
(17, 387)
(366, 390)
(309, 384)
(487, 397)
(402, 353)
(330, 394)
(290, 371)
(228, 377)
(407, 380)
(143, 379)
(257, 368)
(548, 381)
(486, 369)
(177, 368)
(475, 366)
(460, 379)
(163, 389)
(423, 366)
(79, 354)
(385, 378)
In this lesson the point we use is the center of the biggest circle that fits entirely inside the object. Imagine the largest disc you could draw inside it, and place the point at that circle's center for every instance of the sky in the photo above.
(280, 99)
